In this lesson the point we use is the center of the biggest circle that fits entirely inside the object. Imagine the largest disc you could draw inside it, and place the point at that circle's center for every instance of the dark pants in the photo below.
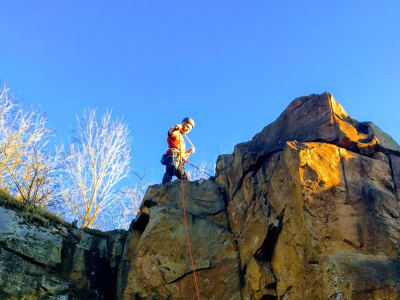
(174, 167)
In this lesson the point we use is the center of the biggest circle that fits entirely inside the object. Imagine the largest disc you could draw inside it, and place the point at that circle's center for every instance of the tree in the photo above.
(128, 207)
(27, 170)
(203, 171)
(97, 161)
(121, 213)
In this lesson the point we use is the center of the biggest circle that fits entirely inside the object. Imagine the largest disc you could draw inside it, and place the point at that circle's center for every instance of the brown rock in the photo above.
(338, 201)
(319, 118)
(312, 213)
(201, 199)
(159, 259)
(250, 217)
(357, 276)
(395, 168)
(260, 280)
(219, 282)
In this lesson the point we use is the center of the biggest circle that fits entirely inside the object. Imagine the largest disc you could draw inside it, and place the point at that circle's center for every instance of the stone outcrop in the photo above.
(41, 258)
(319, 118)
(332, 184)
(308, 209)
(157, 264)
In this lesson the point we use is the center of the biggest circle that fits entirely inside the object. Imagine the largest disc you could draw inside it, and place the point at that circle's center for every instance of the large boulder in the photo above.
(157, 255)
(308, 209)
(311, 185)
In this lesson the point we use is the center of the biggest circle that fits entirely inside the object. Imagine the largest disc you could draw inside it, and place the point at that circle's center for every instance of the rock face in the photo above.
(157, 263)
(51, 260)
(308, 209)
(319, 118)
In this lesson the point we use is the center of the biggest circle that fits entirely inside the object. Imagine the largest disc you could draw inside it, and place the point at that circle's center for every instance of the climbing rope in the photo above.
(190, 142)
(193, 165)
(187, 236)
(185, 219)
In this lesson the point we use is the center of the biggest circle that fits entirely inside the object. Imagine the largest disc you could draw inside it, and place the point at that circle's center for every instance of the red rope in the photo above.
(187, 236)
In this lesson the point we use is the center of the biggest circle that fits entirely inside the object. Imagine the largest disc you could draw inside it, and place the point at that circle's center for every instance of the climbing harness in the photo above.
(187, 237)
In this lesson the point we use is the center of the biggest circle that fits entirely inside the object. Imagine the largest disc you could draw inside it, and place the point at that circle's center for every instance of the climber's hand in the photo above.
(192, 150)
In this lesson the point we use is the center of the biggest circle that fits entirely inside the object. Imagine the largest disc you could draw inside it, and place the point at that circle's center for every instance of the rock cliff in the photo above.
(308, 209)
(42, 257)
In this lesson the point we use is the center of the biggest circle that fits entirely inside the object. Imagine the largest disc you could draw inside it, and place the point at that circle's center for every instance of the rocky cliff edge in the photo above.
(308, 209)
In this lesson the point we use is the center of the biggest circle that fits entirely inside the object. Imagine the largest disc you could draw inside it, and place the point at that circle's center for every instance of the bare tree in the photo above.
(26, 169)
(97, 161)
(121, 213)
(131, 199)
(203, 171)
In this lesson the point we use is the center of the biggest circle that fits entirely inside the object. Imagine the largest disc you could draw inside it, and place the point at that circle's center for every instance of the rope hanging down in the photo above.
(187, 238)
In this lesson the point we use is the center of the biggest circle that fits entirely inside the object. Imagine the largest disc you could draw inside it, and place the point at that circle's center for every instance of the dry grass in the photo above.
(34, 214)
(40, 216)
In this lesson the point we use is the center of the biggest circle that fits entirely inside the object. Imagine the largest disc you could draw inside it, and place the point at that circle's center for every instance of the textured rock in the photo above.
(348, 275)
(197, 197)
(55, 261)
(38, 243)
(310, 197)
(360, 277)
(311, 185)
(251, 218)
(308, 209)
(339, 201)
(319, 118)
(157, 254)
(20, 278)
(260, 281)
(395, 166)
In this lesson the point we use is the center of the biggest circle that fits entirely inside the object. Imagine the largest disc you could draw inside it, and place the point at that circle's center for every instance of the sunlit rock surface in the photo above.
(157, 260)
(326, 187)
(319, 118)
(312, 205)
(308, 209)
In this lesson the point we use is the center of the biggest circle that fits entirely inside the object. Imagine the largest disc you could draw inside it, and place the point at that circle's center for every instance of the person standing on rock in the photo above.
(176, 155)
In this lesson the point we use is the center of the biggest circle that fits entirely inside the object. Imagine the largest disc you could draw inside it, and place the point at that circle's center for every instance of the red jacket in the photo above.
(175, 141)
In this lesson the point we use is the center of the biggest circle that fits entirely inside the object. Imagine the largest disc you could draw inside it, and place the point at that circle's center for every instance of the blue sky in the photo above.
(233, 66)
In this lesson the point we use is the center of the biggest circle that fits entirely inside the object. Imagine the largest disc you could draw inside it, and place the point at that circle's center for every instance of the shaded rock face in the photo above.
(157, 263)
(55, 261)
(308, 209)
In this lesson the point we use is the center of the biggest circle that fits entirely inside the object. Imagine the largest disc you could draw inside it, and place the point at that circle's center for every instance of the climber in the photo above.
(176, 155)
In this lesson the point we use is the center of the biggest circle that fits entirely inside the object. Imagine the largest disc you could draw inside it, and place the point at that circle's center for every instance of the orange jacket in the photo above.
(176, 142)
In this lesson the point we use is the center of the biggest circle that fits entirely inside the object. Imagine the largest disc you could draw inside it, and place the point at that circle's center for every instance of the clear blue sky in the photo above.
(233, 66)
